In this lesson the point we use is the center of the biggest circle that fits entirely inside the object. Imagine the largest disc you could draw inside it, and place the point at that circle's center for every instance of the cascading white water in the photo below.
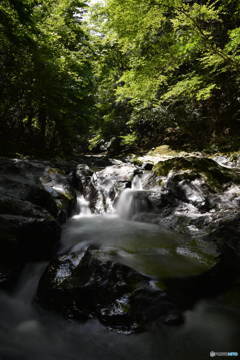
(133, 200)
(83, 208)
(137, 183)
(124, 204)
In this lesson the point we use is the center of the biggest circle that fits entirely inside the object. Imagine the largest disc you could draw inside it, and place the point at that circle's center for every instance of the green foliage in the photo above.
(180, 56)
(46, 75)
(162, 37)
(129, 139)
(95, 141)
(144, 72)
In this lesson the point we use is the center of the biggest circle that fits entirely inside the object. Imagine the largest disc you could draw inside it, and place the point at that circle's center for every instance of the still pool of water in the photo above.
(145, 247)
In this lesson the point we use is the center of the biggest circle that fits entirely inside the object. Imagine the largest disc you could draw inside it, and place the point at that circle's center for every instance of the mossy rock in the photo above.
(165, 150)
(54, 171)
(136, 161)
(216, 175)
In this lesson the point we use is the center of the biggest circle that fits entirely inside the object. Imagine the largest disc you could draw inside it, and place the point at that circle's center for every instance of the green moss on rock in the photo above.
(216, 175)
(136, 161)
(53, 171)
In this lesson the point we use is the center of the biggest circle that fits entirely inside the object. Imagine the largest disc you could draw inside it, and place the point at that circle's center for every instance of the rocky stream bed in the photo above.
(136, 249)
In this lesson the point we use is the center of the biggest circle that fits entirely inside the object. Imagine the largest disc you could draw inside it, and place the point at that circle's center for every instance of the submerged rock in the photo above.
(92, 284)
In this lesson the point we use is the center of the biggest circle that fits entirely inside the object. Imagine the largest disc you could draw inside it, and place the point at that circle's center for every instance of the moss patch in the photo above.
(68, 195)
(165, 150)
(216, 175)
(55, 171)
(136, 161)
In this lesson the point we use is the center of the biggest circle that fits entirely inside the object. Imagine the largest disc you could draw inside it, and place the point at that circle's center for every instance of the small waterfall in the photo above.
(82, 207)
(137, 183)
(104, 187)
(124, 204)
(132, 201)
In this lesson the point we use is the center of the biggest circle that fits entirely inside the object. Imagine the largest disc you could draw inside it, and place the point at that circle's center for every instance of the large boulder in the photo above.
(191, 195)
(215, 175)
(90, 283)
(39, 183)
(35, 199)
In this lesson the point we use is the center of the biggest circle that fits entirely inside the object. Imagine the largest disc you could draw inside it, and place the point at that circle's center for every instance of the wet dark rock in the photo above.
(231, 160)
(227, 232)
(35, 199)
(193, 195)
(38, 183)
(92, 284)
(83, 176)
(147, 166)
(83, 182)
(107, 184)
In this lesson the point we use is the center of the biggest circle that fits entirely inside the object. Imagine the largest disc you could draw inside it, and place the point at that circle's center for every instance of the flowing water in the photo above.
(82, 208)
(27, 332)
